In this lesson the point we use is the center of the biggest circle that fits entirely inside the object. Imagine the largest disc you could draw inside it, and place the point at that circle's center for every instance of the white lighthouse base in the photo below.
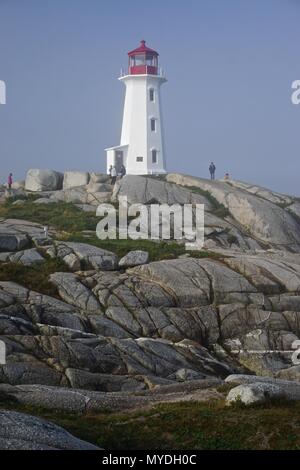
(117, 156)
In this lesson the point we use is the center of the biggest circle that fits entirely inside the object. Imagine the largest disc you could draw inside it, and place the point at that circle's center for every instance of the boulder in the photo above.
(43, 180)
(99, 177)
(20, 227)
(12, 242)
(289, 387)
(134, 258)
(98, 188)
(255, 393)
(73, 179)
(26, 257)
(20, 431)
(80, 195)
(91, 257)
(29, 373)
(18, 184)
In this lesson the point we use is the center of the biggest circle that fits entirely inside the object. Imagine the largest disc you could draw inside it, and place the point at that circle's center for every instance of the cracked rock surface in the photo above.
(121, 330)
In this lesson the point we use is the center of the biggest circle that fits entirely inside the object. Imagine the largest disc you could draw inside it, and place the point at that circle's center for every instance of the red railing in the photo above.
(143, 70)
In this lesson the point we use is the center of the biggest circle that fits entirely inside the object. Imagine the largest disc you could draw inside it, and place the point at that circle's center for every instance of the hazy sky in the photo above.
(230, 65)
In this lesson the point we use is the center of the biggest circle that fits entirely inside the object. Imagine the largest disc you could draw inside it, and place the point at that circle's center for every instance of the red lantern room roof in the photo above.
(142, 49)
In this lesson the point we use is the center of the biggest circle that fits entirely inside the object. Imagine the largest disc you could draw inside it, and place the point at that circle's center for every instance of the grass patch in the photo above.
(157, 251)
(35, 277)
(183, 426)
(72, 221)
(28, 197)
(63, 216)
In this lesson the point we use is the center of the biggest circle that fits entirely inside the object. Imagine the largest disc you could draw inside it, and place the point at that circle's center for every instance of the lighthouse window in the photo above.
(151, 94)
(139, 60)
(153, 124)
(154, 156)
(139, 159)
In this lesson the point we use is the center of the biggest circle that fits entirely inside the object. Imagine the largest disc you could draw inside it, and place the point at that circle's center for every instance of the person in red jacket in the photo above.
(9, 180)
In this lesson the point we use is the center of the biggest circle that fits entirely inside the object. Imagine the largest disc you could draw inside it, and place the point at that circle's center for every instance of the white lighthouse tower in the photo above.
(141, 149)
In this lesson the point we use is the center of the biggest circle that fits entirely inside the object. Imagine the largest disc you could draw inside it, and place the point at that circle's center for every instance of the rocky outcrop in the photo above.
(176, 320)
(139, 189)
(256, 393)
(73, 179)
(255, 389)
(82, 255)
(25, 257)
(264, 193)
(134, 258)
(20, 431)
(82, 401)
(12, 241)
(80, 195)
(16, 234)
(265, 221)
(133, 325)
(43, 180)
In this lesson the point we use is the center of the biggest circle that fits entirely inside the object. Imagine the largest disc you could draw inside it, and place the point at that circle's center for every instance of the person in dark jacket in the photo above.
(212, 170)
(122, 171)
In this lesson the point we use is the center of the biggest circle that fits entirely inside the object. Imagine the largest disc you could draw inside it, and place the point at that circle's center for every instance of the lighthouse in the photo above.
(141, 149)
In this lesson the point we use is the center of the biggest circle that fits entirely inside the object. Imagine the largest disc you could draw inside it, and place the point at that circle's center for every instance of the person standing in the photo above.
(109, 170)
(9, 180)
(122, 171)
(113, 175)
(212, 170)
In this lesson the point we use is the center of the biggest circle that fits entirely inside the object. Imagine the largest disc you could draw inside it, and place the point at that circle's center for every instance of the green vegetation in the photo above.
(63, 216)
(23, 197)
(33, 277)
(184, 425)
(157, 251)
(74, 225)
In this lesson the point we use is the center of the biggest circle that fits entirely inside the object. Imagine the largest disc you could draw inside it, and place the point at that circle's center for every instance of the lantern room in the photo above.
(143, 60)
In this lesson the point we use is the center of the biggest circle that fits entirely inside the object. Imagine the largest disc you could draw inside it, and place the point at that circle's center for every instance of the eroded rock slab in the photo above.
(19, 431)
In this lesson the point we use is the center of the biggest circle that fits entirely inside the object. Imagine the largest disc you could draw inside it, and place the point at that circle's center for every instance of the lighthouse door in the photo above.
(118, 160)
